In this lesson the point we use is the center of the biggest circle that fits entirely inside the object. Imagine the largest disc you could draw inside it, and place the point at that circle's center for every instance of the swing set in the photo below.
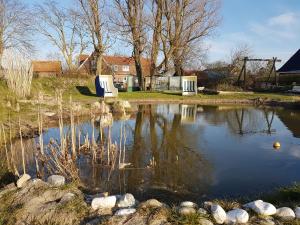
(243, 72)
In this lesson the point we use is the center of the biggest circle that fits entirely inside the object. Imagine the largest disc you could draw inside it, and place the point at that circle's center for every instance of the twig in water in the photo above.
(5, 146)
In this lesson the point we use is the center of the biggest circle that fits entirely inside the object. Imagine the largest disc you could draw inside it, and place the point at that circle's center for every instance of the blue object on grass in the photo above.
(99, 90)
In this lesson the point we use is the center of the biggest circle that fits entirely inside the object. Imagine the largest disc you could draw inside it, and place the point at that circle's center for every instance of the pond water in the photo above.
(194, 152)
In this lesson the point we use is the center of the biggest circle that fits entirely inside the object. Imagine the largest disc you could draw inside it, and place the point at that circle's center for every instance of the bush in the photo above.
(227, 86)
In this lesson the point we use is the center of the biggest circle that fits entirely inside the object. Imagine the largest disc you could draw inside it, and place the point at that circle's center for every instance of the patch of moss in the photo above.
(76, 205)
(293, 222)
(192, 219)
(7, 209)
(227, 204)
(286, 196)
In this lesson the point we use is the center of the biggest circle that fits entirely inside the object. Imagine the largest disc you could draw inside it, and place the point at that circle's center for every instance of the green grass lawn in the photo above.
(84, 90)
(239, 96)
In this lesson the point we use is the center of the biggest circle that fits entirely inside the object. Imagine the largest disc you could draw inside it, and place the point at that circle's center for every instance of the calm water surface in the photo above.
(197, 152)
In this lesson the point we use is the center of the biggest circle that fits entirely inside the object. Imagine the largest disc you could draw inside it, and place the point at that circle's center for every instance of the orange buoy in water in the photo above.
(276, 145)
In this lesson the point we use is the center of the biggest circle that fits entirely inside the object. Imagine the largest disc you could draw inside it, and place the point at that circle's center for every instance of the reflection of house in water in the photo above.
(168, 109)
(291, 120)
(188, 113)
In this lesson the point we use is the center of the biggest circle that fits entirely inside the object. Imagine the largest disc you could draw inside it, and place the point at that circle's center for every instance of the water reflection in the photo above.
(193, 152)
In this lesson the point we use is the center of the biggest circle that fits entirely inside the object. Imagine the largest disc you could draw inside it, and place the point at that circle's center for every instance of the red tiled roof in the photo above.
(83, 57)
(118, 60)
(47, 66)
(122, 61)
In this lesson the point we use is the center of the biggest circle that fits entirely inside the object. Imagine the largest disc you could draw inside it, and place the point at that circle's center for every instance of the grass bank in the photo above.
(84, 90)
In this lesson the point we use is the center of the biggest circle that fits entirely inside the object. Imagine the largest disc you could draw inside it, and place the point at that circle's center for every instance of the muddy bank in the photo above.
(252, 102)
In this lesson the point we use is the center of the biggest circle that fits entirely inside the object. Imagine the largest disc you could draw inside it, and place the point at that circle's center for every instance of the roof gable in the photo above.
(292, 65)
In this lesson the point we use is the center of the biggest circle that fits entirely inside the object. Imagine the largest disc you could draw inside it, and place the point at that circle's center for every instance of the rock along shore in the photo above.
(33, 201)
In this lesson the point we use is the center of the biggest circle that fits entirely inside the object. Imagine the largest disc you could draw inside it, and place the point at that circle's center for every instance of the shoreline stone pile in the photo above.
(119, 206)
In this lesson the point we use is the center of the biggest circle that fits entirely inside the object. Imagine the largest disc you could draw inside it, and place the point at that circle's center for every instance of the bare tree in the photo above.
(157, 8)
(62, 28)
(91, 11)
(238, 54)
(186, 24)
(15, 27)
(132, 27)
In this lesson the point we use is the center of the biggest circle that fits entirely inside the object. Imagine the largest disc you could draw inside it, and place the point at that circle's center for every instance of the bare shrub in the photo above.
(18, 73)
(227, 86)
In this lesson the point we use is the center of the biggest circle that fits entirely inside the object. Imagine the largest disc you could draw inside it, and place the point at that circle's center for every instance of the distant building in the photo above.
(290, 72)
(47, 68)
(205, 77)
(119, 66)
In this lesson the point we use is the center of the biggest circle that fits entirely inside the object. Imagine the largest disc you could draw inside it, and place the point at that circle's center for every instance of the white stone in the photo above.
(218, 214)
(96, 105)
(202, 211)
(125, 212)
(237, 216)
(285, 213)
(186, 211)
(207, 205)
(49, 114)
(22, 180)
(261, 208)
(67, 197)
(104, 202)
(126, 201)
(188, 204)
(126, 104)
(297, 212)
(203, 221)
(56, 180)
(152, 203)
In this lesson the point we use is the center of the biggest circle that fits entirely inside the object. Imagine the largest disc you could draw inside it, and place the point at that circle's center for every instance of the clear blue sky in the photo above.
(269, 27)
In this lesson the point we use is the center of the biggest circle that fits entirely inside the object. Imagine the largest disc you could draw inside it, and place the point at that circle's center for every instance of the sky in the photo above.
(271, 28)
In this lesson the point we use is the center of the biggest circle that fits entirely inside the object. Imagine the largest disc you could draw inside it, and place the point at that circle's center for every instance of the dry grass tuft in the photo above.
(18, 73)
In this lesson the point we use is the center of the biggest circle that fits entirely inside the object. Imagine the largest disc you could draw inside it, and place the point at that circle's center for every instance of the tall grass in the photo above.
(59, 101)
(73, 130)
(18, 73)
(40, 125)
(62, 156)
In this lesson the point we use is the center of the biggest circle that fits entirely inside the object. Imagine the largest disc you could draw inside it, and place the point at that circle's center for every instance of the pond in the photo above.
(193, 152)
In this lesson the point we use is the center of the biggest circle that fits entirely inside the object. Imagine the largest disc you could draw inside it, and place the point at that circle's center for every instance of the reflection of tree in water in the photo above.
(291, 119)
(175, 167)
(30, 153)
(248, 121)
(242, 120)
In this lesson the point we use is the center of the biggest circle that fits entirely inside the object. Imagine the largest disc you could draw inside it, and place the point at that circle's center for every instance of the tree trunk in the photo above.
(155, 41)
(1, 51)
(99, 64)
(139, 71)
(178, 69)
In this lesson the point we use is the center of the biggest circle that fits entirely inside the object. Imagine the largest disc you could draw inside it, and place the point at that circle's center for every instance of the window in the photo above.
(125, 68)
(116, 68)
(125, 78)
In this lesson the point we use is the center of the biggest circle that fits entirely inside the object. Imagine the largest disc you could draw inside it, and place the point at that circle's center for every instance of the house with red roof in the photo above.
(119, 66)
(47, 68)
